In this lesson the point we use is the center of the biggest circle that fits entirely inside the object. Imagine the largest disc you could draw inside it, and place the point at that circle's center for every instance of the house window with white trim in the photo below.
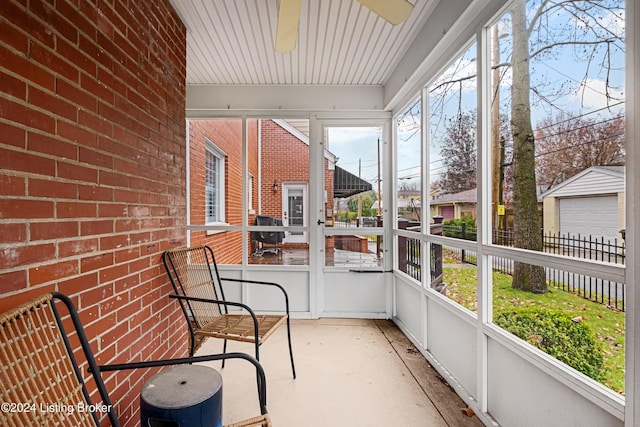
(250, 194)
(214, 184)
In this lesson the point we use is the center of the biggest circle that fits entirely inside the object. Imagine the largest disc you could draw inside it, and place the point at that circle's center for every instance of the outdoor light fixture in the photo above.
(275, 186)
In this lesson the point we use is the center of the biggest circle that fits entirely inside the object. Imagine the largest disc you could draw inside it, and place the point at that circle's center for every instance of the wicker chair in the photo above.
(199, 288)
(42, 381)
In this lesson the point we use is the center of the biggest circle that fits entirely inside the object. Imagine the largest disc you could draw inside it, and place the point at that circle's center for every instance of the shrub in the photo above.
(555, 333)
(454, 228)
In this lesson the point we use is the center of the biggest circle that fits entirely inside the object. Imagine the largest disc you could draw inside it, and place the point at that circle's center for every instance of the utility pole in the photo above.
(359, 220)
(496, 167)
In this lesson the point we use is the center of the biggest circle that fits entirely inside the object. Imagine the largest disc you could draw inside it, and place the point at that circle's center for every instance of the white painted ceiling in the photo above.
(340, 42)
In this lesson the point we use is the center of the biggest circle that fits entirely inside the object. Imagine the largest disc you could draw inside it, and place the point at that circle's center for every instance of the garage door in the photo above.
(590, 216)
(447, 212)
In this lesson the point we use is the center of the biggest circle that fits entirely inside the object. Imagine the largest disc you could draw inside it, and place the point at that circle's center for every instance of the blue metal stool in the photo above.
(182, 396)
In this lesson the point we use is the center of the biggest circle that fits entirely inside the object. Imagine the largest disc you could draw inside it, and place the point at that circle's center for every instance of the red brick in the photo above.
(53, 230)
(51, 272)
(111, 329)
(26, 162)
(128, 310)
(95, 158)
(13, 233)
(16, 256)
(75, 210)
(96, 262)
(77, 172)
(84, 21)
(12, 36)
(109, 210)
(48, 145)
(27, 21)
(12, 281)
(28, 294)
(106, 85)
(113, 242)
(22, 208)
(96, 193)
(95, 295)
(78, 284)
(124, 225)
(127, 196)
(95, 122)
(55, 63)
(75, 133)
(52, 189)
(100, 57)
(12, 86)
(127, 283)
(12, 185)
(27, 69)
(55, 104)
(69, 248)
(88, 228)
(12, 135)
(76, 96)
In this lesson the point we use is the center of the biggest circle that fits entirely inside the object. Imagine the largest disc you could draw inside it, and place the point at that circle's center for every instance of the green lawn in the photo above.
(607, 324)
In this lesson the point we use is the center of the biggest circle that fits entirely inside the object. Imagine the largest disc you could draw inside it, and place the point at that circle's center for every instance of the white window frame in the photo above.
(216, 152)
(250, 182)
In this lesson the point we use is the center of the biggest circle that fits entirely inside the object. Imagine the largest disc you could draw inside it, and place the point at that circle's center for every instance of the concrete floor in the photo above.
(350, 373)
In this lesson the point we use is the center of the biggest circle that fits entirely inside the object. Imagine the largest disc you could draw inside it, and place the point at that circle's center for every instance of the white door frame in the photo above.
(343, 276)
(297, 236)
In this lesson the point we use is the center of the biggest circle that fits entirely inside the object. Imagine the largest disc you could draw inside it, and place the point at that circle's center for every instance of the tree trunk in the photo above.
(527, 234)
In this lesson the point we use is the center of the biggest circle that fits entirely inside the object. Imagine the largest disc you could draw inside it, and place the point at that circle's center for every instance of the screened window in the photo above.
(214, 183)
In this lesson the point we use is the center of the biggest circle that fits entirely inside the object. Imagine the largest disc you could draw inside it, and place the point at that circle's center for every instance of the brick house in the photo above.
(278, 162)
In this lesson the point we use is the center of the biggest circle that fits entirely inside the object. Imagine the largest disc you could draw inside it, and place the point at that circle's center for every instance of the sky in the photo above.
(564, 70)
(357, 150)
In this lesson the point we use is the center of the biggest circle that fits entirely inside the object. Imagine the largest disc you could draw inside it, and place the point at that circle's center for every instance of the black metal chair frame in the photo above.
(96, 370)
(187, 301)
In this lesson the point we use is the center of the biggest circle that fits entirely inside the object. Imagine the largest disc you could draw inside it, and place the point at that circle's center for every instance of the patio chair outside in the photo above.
(42, 381)
(199, 288)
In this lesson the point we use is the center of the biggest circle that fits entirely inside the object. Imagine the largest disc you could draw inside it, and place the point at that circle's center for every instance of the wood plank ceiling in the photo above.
(340, 42)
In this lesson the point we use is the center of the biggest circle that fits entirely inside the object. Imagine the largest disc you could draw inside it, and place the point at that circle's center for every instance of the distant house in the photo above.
(455, 205)
(590, 203)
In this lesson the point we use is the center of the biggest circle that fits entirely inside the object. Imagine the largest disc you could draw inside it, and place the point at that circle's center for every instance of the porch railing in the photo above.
(587, 247)
(579, 246)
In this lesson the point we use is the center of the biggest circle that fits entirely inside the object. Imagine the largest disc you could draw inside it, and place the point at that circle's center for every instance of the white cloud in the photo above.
(592, 94)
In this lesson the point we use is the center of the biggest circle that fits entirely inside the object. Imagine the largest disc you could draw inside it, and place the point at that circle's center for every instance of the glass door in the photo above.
(294, 211)
(353, 233)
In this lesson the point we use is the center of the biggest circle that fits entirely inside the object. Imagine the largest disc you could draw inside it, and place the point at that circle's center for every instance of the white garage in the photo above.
(590, 203)
(590, 216)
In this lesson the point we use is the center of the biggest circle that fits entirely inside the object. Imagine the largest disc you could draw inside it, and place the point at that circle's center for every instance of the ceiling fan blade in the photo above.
(393, 11)
(288, 19)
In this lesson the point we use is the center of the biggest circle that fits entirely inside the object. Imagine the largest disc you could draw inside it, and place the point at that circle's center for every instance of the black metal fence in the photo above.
(579, 246)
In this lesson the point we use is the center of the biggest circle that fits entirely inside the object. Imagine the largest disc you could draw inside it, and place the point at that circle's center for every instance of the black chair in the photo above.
(273, 238)
(199, 288)
(39, 369)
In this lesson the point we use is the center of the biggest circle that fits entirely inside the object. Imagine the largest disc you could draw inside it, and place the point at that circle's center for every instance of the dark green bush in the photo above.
(557, 335)
(460, 228)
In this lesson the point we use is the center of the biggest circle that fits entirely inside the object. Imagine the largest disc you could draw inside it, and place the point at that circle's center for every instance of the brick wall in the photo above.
(92, 166)
(284, 159)
(226, 135)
